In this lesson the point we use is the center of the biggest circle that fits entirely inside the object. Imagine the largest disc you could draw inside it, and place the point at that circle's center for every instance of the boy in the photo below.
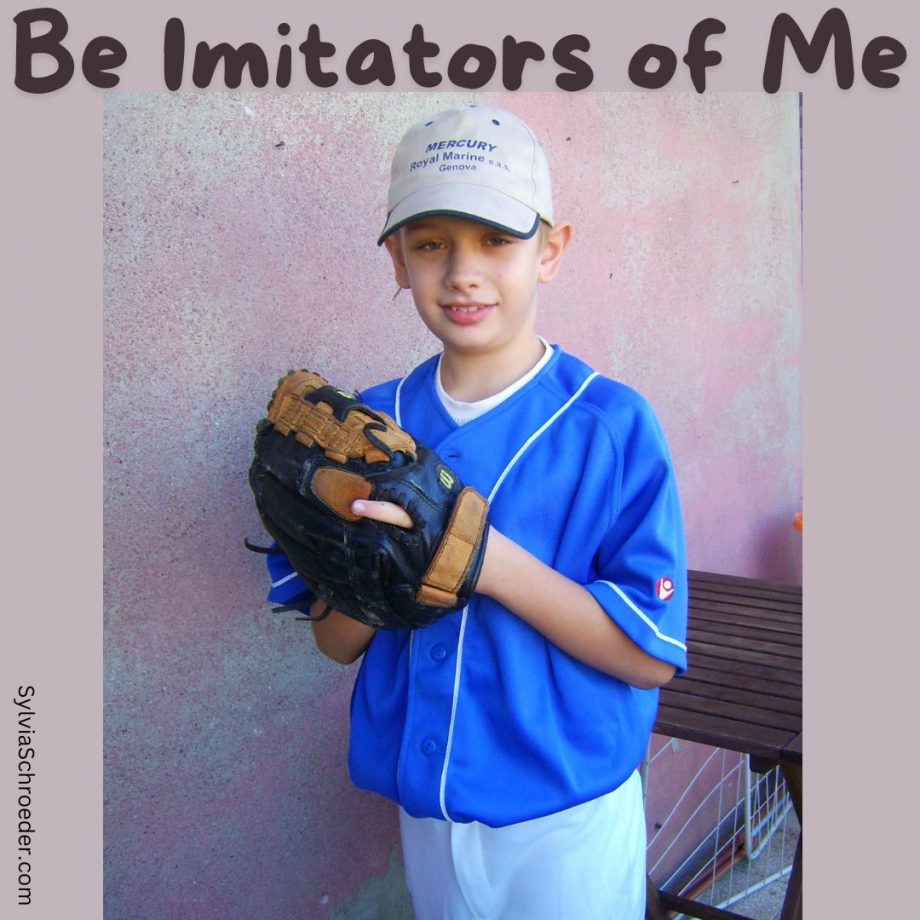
(510, 732)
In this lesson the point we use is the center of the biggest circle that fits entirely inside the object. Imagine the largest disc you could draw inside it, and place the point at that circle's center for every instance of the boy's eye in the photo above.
(498, 241)
(427, 245)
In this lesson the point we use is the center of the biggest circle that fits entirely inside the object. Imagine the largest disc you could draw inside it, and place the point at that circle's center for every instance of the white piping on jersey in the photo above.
(499, 481)
(442, 795)
(281, 581)
(538, 432)
(645, 619)
(397, 413)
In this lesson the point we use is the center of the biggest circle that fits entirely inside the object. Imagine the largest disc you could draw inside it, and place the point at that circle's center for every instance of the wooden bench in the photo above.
(742, 692)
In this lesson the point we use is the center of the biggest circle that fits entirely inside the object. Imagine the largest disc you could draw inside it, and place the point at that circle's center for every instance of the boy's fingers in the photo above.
(385, 512)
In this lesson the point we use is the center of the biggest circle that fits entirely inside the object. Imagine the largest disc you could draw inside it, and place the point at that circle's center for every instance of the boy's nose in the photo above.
(463, 270)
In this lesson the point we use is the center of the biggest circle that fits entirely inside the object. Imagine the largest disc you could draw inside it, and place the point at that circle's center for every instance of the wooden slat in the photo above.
(791, 627)
(749, 584)
(739, 669)
(691, 686)
(785, 651)
(784, 645)
(730, 683)
(746, 655)
(724, 609)
(724, 733)
(749, 596)
(734, 658)
(721, 600)
(766, 631)
(738, 712)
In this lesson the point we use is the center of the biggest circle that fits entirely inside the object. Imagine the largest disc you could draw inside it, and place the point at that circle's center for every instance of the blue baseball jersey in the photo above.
(479, 717)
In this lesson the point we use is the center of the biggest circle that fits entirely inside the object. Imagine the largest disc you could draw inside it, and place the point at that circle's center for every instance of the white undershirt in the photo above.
(462, 412)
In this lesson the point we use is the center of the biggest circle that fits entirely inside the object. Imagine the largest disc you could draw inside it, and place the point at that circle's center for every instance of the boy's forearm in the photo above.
(566, 613)
(340, 637)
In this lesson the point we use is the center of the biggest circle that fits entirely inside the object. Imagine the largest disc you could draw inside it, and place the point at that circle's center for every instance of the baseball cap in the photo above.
(476, 162)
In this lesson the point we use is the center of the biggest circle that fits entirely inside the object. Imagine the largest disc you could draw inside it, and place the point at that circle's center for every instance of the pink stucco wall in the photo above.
(239, 242)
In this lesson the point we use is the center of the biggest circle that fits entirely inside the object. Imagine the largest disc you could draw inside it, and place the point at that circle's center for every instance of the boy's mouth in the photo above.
(465, 313)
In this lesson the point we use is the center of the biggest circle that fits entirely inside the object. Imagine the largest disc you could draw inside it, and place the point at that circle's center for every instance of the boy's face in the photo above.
(475, 287)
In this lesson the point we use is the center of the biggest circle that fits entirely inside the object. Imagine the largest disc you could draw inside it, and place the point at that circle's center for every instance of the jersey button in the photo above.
(438, 652)
(429, 746)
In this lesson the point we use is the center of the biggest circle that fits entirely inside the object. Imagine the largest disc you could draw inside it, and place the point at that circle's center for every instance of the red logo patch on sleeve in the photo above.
(664, 589)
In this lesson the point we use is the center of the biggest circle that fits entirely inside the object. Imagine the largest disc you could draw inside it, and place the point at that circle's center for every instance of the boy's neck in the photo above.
(470, 377)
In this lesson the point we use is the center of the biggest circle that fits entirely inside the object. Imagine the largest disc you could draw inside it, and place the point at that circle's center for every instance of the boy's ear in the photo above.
(554, 246)
(394, 248)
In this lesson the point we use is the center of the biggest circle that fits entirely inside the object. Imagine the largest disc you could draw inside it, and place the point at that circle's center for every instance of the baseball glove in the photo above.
(318, 450)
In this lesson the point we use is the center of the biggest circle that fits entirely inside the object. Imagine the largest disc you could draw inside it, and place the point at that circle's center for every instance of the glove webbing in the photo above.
(344, 440)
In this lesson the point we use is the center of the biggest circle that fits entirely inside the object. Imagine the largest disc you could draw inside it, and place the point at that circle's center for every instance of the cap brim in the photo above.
(473, 202)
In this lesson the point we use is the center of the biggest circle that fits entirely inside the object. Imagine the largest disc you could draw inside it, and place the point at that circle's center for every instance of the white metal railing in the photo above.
(751, 808)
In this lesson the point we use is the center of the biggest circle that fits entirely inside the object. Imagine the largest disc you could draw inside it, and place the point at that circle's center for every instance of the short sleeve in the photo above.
(642, 581)
(286, 586)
